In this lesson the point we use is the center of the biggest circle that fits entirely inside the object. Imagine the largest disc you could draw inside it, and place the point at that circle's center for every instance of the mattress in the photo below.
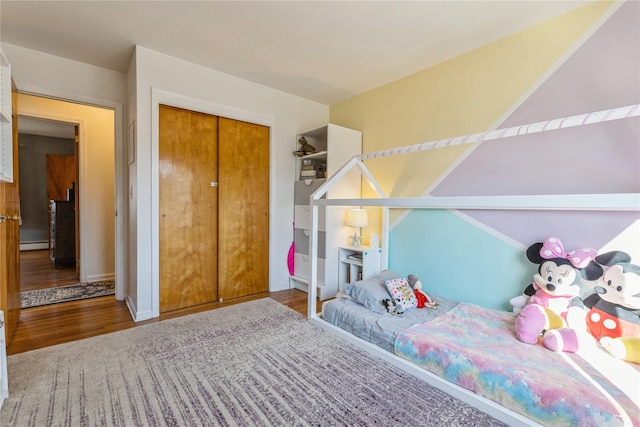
(378, 328)
(476, 348)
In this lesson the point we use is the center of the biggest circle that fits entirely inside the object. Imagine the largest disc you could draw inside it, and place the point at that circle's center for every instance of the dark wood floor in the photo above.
(59, 323)
(37, 272)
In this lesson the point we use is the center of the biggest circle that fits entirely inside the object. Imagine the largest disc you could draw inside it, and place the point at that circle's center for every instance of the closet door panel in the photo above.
(243, 208)
(188, 158)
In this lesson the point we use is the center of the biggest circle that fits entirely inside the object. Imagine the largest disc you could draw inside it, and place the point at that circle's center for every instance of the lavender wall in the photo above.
(601, 74)
(480, 257)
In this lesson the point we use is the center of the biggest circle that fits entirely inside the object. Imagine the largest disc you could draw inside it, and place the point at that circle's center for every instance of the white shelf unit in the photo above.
(336, 145)
(358, 263)
(6, 132)
(4, 377)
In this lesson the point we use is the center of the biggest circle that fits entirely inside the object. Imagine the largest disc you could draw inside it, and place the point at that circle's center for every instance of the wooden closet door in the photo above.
(243, 209)
(188, 159)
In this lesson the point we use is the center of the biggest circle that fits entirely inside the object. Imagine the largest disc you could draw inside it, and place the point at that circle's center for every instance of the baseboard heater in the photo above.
(34, 246)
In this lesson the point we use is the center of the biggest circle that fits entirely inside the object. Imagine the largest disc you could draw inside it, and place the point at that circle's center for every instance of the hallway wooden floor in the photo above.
(59, 323)
(38, 272)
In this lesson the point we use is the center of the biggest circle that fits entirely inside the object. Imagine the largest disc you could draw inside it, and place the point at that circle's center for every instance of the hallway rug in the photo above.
(75, 292)
(257, 363)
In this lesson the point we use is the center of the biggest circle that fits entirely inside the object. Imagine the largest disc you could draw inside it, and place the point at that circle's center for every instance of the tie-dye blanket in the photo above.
(476, 348)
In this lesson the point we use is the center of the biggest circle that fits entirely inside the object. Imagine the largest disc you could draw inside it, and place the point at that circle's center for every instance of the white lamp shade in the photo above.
(356, 218)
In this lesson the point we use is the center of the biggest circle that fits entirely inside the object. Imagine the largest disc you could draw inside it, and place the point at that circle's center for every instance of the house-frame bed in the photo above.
(626, 414)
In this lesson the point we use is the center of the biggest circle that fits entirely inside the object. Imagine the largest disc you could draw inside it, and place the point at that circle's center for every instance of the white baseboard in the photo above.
(34, 246)
(101, 277)
(137, 316)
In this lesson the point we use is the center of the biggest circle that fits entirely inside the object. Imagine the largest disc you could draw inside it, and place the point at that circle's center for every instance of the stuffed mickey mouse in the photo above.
(555, 311)
(614, 316)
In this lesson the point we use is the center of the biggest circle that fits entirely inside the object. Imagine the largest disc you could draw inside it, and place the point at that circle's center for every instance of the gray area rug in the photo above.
(253, 364)
(67, 293)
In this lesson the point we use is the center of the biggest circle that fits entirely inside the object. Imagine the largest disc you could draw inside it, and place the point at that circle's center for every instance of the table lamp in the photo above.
(356, 218)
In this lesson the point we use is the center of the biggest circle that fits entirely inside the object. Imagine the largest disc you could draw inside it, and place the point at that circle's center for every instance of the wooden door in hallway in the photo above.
(243, 208)
(61, 175)
(188, 159)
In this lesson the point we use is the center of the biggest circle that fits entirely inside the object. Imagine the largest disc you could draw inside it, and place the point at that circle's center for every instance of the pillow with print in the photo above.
(402, 293)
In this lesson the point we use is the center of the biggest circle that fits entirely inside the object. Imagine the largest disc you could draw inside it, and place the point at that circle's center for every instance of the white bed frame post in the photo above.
(384, 261)
(313, 255)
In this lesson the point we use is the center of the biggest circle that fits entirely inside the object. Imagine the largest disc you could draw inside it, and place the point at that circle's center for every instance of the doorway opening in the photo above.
(47, 162)
(48, 175)
(67, 172)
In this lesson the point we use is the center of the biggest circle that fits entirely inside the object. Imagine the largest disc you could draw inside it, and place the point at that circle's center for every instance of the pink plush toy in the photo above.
(555, 312)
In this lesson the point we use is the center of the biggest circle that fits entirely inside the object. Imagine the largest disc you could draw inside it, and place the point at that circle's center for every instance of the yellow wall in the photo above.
(464, 95)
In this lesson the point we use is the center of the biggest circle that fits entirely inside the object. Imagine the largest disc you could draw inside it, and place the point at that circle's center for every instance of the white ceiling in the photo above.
(42, 127)
(325, 51)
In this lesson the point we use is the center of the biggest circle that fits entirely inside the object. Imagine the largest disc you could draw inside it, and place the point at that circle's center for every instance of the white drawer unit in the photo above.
(302, 267)
(302, 215)
(335, 145)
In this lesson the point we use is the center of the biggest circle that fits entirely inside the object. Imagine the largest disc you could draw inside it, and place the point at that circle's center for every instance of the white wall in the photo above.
(131, 230)
(166, 79)
(193, 87)
(51, 76)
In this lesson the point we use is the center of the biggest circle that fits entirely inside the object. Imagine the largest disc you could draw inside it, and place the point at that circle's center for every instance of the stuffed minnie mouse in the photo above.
(555, 311)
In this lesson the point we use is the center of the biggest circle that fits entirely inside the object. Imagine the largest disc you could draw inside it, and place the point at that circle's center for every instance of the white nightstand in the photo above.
(357, 264)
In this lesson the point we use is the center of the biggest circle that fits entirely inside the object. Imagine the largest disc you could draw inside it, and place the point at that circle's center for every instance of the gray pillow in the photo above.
(371, 292)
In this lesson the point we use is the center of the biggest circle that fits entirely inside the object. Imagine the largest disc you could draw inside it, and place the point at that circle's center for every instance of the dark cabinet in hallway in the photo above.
(63, 233)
